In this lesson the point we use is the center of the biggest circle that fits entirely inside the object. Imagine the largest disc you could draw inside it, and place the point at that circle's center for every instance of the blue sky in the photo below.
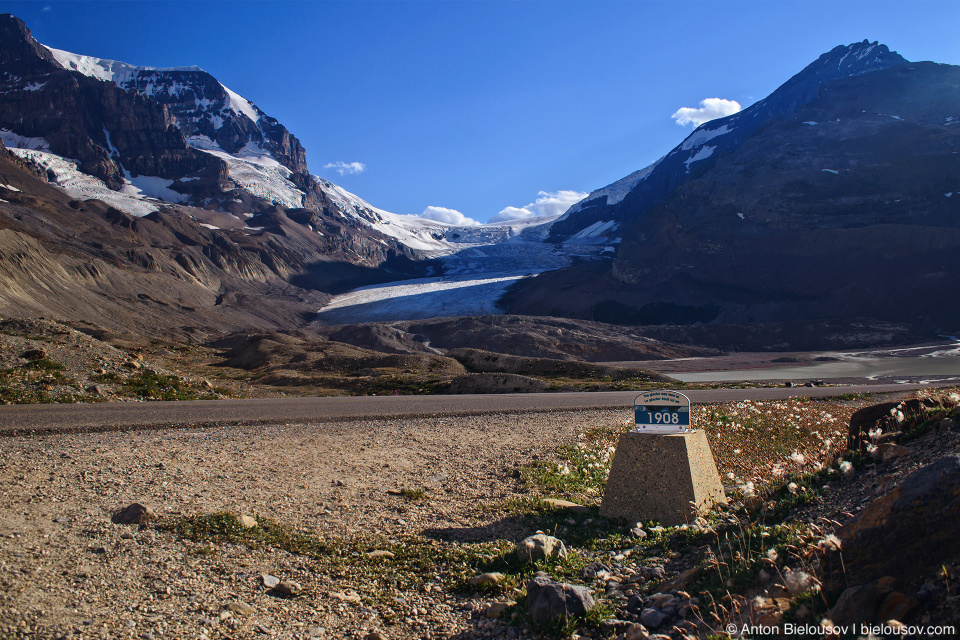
(476, 106)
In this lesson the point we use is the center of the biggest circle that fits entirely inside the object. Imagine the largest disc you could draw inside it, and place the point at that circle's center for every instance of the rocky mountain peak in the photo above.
(18, 46)
(624, 200)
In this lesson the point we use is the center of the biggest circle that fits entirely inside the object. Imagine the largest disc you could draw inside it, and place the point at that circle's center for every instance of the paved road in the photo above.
(118, 416)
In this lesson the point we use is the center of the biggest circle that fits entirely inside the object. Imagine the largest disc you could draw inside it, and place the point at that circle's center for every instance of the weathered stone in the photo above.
(240, 608)
(565, 504)
(860, 603)
(882, 540)
(496, 609)
(247, 522)
(671, 478)
(548, 601)
(380, 553)
(636, 632)
(540, 547)
(594, 569)
(375, 635)
(34, 354)
(346, 596)
(269, 581)
(890, 451)
(485, 579)
(134, 514)
(653, 618)
(289, 588)
(897, 606)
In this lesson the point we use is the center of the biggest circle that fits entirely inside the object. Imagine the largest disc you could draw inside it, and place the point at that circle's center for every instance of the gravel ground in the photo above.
(67, 571)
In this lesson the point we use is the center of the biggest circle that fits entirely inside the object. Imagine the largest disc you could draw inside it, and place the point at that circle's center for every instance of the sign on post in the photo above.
(662, 412)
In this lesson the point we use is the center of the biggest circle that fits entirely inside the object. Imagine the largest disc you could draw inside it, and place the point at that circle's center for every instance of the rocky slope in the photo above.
(826, 201)
(423, 545)
(157, 199)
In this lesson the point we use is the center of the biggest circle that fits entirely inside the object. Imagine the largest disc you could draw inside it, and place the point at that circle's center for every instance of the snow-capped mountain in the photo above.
(837, 197)
(628, 197)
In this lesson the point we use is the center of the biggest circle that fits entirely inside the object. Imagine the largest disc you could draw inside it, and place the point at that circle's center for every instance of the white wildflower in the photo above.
(830, 543)
(792, 488)
(798, 582)
(797, 457)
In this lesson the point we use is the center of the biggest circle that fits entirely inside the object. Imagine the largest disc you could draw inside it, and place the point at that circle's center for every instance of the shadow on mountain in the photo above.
(340, 277)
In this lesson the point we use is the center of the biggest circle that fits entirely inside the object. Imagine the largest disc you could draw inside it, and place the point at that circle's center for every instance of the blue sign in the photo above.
(662, 412)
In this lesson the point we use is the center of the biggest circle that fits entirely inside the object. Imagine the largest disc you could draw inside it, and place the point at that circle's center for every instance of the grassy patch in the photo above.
(150, 385)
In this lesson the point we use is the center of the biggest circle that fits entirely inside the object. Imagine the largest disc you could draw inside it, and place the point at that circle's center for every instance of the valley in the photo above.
(240, 400)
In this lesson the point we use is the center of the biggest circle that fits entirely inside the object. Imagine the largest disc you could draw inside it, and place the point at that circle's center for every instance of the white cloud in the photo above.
(449, 216)
(548, 203)
(346, 168)
(710, 109)
(47, 9)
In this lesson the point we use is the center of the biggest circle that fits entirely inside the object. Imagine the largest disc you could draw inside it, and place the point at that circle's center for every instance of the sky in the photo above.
(487, 109)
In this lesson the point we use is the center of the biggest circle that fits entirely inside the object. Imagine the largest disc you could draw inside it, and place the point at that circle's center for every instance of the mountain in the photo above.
(215, 184)
(718, 137)
(836, 197)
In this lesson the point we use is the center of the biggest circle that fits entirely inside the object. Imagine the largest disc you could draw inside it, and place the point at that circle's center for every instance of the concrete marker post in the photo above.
(662, 470)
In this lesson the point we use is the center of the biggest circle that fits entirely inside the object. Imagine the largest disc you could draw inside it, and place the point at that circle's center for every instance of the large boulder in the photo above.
(907, 534)
(548, 601)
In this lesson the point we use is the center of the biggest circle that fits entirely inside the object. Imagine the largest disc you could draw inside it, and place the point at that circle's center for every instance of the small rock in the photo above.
(34, 354)
(240, 609)
(134, 514)
(889, 451)
(636, 632)
(206, 384)
(380, 553)
(540, 547)
(269, 581)
(247, 522)
(565, 504)
(375, 635)
(97, 390)
(289, 588)
(652, 618)
(316, 632)
(947, 423)
(548, 601)
(638, 532)
(485, 579)
(349, 596)
(496, 609)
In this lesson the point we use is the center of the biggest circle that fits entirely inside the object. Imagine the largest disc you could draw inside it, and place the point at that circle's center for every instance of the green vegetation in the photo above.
(150, 385)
